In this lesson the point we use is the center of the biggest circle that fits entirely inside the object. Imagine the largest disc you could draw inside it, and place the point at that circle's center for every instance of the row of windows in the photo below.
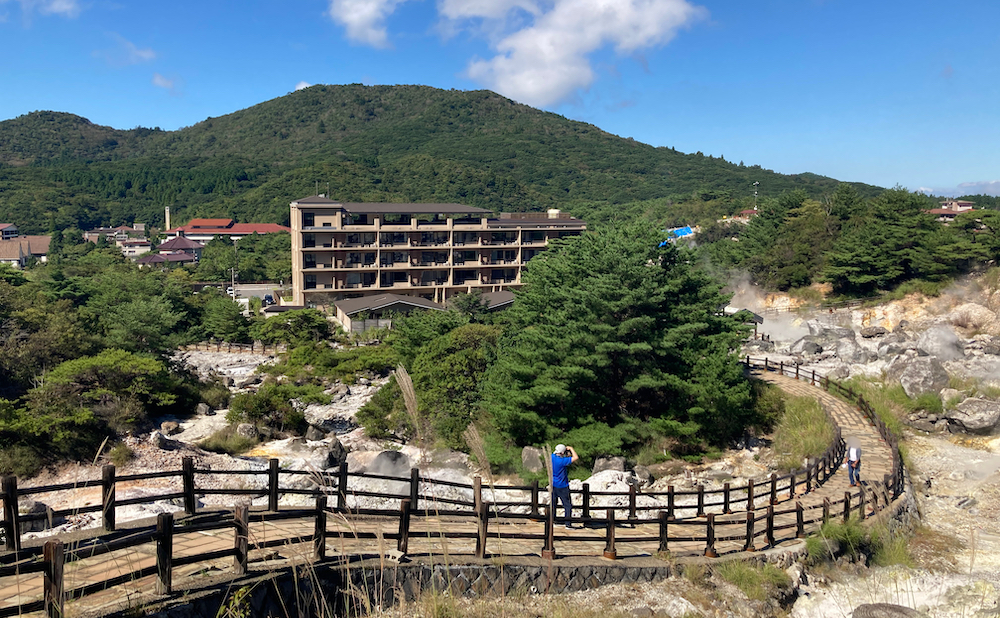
(435, 277)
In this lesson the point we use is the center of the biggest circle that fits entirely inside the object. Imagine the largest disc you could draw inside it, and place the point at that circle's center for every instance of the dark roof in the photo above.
(540, 223)
(160, 258)
(281, 308)
(372, 303)
(36, 245)
(180, 243)
(315, 199)
(420, 209)
(498, 300)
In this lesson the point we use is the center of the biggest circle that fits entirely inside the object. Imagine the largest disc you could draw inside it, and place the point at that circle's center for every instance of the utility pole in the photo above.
(755, 185)
(233, 271)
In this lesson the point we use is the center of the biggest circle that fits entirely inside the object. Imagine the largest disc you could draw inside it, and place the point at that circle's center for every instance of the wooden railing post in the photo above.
(609, 543)
(847, 506)
(725, 499)
(631, 504)
(53, 590)
(403, 544)
(549, 550)
(187, 477)
(826, 510)
(319, 531)
(242, 539)
(710, 537)
(781, 368)
(272, 485)
(414, 488)
(11, 516)
(791, 486)
(809, 477)
(750, 532)
(701, 500)
(861, 501)
(534, 498)
(164, 553)
(812, 380)
(664, 533)
(586, 503)
(482, 517)
(796, 372)
(477, 494)
(670, 502)
(800, 525)
(342, 488)
(774, 488)
(108, 496)
(770, 526)
(750, 498)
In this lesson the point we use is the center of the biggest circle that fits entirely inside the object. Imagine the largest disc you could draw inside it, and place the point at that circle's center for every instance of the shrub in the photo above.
(216, 396)
(120, 455)
(227, 441)
(20, 460)
(754, 581)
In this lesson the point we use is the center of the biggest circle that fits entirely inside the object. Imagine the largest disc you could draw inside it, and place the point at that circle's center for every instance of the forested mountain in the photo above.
(380, 143)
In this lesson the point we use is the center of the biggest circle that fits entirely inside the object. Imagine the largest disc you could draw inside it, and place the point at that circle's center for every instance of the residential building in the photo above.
(18, 250)
(8, 231)
(950, 209)
(348, 250)
(204, 230)
(117, 235)
(165, 260)
(360, 314)
(181, 244)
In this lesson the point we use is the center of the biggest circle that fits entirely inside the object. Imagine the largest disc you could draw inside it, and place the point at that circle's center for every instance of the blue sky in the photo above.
(885, 92)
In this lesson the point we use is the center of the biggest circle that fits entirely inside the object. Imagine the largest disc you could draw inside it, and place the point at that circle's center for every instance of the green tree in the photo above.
(609, 327)
(296, 327)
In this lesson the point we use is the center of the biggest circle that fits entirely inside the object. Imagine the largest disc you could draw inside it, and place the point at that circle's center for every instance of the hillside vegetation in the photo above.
(378, 143)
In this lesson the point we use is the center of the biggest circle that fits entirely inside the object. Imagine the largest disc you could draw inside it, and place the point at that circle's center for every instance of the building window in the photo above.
(309, 260)
(310, 282)
(308, 240)
(308, 219)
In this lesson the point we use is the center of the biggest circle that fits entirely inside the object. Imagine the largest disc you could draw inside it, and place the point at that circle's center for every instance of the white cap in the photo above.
(560, 449)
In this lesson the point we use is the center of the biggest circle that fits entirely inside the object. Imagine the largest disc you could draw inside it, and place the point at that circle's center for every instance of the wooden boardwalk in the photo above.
(278, 544)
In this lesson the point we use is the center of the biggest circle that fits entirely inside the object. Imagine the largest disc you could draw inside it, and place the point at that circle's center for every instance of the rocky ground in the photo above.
(945, 346)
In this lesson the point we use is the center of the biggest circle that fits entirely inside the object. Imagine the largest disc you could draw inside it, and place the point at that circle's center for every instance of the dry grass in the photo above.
(804, 431)
(934, 550)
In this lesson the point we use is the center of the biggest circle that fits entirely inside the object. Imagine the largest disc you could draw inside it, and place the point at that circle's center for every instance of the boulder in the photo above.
(643, 476)
(841, 372)
(975, 415)
(950, 394)
(869, 332)
(359, 461)
(609, 463)
(884, 610)
(848, 351)
(336, 452)
(923, 375)
(170, 428)
(759, 345)
(203, 409)
(315, 433)
(940, 342)
(532, 458)
(247, 430)
(390, 463)
(34, 508)
(826, 331)
(806, 345)
(157, 439)
(971, 316)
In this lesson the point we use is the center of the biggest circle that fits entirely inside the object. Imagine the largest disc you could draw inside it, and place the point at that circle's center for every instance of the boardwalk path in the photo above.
(569, 544)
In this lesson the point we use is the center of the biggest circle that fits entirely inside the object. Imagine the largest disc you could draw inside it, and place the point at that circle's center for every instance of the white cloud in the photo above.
(546, 61)
(982, 187)
(65, 8)
(168, 84)
(302, 85)
(127, 52)
(364, 20)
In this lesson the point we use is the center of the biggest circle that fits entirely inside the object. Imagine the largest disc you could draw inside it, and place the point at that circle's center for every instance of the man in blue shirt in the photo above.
(562, 458)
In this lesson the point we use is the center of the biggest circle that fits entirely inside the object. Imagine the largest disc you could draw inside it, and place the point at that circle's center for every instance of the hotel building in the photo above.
(346, 250)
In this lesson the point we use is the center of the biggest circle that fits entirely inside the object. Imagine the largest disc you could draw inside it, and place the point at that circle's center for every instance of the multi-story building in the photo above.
(345, 250)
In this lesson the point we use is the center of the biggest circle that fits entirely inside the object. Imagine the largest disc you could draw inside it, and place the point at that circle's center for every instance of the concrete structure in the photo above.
(204, 230)
(347, 250)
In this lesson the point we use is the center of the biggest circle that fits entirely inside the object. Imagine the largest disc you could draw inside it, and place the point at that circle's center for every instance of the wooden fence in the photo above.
(749, 517)
(256, 347)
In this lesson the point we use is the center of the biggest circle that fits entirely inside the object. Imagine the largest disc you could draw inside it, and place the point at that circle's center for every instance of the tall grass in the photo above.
(757, 582)
(803, 432)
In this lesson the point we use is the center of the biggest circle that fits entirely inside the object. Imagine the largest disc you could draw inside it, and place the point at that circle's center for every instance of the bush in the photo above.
(120, 455)
(216, 396)
(769, 404)
(20, 460)
(756, 582)
(272, 405)
(227, 441)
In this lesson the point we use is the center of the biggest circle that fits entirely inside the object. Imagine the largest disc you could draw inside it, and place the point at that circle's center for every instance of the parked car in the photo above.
(268, 300)
(231, 292)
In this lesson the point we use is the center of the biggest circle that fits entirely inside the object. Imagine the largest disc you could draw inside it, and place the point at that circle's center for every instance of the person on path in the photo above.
(853, 461)
(562, 458)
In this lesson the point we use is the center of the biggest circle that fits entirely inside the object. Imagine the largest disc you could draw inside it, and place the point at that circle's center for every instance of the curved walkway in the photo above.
(877, 462)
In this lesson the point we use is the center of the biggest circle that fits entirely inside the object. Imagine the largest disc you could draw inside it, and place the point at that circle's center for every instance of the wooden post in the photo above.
(549, 550)
(477, 494)
(796, 372)
(750, 498)
(826, 510)
(710, 537)
(809, 477)
(586, 503)
(781, 368)
(482, 516)
(242, 539)
(414, 488)
(847, 506)
(813, 379)
(664, 533)
(319, 532)
(670, 501)
(11, 517)
(272, 485)
(791, 486)
(701, 500)
(164, 553)
(403, 544)
(108, 496)
(774, 488)
(861, 501)
(766, 368)
(342, 488)
(609, 544)
(725, 499)
(770, 526)
(52, 590)
(750, 533)
(187, 475)
(800, 525)
(534, 499)
(631, 504)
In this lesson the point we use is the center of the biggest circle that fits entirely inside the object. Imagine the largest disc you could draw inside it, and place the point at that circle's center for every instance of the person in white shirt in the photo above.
(853, 461)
